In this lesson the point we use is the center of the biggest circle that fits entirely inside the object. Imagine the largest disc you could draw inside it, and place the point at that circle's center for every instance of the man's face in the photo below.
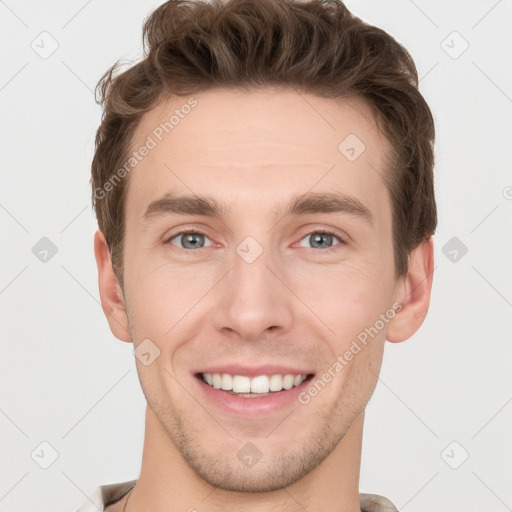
(256, 287)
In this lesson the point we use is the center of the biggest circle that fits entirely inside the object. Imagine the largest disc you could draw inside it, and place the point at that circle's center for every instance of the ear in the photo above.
(112, 300)
(413, 293)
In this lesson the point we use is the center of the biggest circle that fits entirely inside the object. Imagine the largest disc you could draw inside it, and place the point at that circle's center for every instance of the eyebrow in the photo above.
(303, 204)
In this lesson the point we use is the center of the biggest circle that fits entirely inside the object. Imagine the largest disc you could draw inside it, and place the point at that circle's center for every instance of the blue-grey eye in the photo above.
(321, 240)
(190, 240)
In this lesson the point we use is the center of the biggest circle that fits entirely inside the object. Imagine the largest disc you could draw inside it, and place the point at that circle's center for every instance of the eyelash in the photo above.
(314, 232)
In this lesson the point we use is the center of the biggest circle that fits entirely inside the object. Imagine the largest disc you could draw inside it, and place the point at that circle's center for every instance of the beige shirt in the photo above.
(106, 495)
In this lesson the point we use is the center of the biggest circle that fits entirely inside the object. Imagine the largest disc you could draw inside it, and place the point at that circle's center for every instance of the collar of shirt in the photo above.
(106, 495)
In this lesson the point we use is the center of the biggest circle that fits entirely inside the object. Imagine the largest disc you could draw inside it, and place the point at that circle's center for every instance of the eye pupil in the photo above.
(187, 237)
(317, 237)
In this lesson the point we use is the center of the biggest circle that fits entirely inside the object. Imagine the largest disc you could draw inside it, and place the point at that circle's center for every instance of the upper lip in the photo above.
(254, 371)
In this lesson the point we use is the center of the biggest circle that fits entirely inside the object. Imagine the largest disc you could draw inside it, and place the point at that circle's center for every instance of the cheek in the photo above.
(164, 304)
(348, 297)
(158, 291)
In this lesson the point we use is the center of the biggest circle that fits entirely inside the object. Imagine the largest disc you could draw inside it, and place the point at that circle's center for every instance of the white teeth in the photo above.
(288, 381)
(297, 380)
(276, 383)
(217, 380)
(226, 382)
(260, 384)
(241, 384)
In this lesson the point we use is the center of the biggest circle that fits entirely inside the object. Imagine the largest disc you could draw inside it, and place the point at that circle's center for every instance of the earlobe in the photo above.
(112, 300)
(413, 293)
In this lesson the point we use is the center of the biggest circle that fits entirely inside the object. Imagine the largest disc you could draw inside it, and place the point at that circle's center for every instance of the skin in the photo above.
(295, 304)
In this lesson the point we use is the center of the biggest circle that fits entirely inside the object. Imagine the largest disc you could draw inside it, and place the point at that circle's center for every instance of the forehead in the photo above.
(252, 146)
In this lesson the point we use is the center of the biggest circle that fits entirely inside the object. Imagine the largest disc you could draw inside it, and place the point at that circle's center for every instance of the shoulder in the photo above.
(375, 503)
(105, 495)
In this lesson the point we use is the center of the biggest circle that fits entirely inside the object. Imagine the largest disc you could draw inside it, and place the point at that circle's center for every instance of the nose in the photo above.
(254, 301)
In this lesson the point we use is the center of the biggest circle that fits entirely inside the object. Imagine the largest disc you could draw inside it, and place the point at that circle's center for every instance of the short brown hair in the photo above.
(314, 46)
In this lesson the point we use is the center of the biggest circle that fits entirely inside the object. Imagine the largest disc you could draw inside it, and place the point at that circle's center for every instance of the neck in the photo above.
(167, 482)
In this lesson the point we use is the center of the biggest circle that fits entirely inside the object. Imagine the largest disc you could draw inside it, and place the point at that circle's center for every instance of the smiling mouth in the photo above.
(259, 386)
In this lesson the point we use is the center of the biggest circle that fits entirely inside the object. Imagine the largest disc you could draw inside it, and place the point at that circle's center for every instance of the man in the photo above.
(263, 183)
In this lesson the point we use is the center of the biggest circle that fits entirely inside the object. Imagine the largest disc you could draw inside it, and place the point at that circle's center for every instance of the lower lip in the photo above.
(251, 407)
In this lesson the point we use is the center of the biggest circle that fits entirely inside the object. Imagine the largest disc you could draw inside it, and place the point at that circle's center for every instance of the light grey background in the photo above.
(68, 382)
